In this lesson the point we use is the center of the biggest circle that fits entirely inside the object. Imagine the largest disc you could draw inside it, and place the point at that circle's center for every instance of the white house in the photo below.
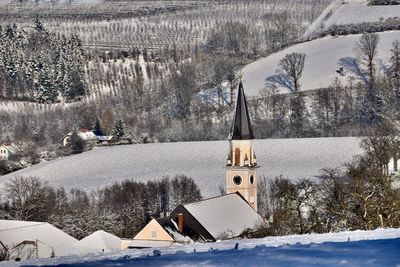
(7, 151)
(85, 134)
(88, 136)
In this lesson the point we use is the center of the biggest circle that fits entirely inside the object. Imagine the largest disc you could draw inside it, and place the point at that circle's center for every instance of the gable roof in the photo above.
(9, 147)
(241, 126)
(225, 215)
(14, 232)
(101, 240)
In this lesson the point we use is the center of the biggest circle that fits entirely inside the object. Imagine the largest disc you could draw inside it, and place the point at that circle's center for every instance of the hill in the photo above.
(342, 12)
(357, 248)
(203, 161)
(321, 63)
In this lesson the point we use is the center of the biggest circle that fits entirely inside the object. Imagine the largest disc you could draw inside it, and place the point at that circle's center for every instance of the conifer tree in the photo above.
(97, 128)
(119, 128)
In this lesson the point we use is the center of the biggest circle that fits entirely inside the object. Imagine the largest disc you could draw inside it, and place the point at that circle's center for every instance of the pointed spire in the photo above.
(241, 127)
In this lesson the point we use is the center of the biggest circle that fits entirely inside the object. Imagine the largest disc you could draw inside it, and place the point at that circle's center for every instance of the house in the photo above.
(104, 139)
(7, 151)
(26, 240)
(85, 134)
(157, 233)
(221, 217)
(89, 137)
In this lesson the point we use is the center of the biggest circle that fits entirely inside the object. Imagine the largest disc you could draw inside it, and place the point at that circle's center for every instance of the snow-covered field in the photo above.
(341, 12)
(358, 248)
(345, 14)
(321, 63)
(204, 161)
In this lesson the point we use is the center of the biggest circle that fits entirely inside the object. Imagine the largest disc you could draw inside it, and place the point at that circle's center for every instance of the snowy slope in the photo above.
(204, 161)
(351, 11)
(366, 248)
(358, 11)
(321, 63)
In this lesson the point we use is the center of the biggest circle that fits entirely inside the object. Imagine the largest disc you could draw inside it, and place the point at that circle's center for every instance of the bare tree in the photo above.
(291, 70)
(367, 50)
(292, 66)
(27, 196)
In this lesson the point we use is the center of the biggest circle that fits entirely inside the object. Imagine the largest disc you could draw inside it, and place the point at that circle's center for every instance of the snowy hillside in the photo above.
(204, 161)
(321, 63)
(358, 248)
(352, 11)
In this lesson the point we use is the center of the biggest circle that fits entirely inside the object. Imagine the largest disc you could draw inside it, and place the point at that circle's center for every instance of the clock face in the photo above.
(251, 179)
(237, 180)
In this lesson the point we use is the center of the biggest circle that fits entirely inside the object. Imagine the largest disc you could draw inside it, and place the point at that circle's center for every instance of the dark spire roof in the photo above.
(241, 127)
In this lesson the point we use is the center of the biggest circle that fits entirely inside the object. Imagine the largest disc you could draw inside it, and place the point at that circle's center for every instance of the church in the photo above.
(221, 217)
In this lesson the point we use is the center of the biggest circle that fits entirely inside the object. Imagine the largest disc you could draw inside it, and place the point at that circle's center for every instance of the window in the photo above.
(251, 179)
(154, 234)
(237, 180)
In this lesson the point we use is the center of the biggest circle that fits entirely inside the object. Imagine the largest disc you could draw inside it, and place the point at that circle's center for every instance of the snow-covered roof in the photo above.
(84, 135)
(171, 227)
(9, 147)
(229, 214)
(87, 136)
(149, 244)
(104, 137)
(14, 232)
(101, 240)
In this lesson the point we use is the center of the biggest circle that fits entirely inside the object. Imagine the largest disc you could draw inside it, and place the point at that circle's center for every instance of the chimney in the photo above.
(180, 222)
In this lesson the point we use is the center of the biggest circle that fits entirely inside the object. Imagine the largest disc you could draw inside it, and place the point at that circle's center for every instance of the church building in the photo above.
(221, 217)
(241, 164)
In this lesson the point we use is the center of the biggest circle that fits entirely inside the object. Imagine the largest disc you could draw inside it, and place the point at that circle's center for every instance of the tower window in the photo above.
(251, 179)
(237, 156)
(237, 180)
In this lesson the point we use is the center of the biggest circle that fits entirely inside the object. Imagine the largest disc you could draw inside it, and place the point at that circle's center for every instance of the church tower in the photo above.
(242, 163)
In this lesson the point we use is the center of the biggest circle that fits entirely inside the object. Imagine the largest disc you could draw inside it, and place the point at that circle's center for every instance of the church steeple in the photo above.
(241, 126)
(241, 161)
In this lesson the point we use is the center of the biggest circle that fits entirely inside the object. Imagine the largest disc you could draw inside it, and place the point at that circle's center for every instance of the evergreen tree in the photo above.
(97, 128)
(46, 90)
(77, 143)
(119, 128)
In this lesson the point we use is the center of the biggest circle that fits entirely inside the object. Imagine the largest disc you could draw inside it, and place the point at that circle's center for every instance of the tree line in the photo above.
(362, 196)
(122, 208)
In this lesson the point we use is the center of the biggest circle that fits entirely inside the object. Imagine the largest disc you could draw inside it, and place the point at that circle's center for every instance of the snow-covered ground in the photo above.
(342, 12)
(345, 14)
(379, 247)
(321, 63)
(204, 161)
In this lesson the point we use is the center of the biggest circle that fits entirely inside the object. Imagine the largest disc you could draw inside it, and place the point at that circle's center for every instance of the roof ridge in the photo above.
(209, 198)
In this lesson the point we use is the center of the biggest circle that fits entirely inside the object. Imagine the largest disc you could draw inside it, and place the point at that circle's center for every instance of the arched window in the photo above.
(237, 156)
